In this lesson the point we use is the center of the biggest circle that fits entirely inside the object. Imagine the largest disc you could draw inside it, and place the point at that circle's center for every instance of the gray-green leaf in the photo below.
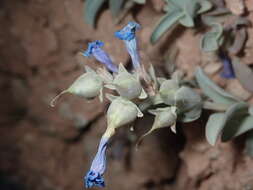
(238, 121)
(213, 91)
(212, 40)
(244, 74)
(189, 104)
(165, 23)
(230, 124)
(115, 6)
(190, 9)
(91, 9)
(213, 127)
(205, 6)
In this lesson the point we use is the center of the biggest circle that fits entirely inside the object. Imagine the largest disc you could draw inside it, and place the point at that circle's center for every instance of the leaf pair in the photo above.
(234, 122)
(182, 11)
(212, 40)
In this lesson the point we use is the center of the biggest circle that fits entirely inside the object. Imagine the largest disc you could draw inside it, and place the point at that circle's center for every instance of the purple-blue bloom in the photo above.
(94, 176)
(228, 71)
(128, 35)
(94, 49)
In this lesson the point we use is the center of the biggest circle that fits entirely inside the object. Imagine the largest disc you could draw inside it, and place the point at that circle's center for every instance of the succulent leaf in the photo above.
(213, 127)
(244, 74)
(213, 39)
(115, 6)
(213, 91)
(165, 23)
(91, 9)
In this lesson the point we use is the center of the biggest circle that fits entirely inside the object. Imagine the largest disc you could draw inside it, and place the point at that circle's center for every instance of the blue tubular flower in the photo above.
(94, 49)
(95, 175)
(228, 71)
(128, 35)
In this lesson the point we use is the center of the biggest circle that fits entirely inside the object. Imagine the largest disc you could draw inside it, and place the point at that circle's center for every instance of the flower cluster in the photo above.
(136, 91)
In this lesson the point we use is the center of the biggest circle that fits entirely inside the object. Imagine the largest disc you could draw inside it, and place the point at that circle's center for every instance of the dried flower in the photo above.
(128, 35)
(94, 49)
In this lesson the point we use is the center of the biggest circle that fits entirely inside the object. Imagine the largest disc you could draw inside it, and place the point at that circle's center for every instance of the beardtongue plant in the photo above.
(139, 90)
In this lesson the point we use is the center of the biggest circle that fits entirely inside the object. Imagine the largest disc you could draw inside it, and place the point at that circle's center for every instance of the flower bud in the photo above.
(168, 90)
(127, 85)
(121, 112)
(88, 85)
(164, 117)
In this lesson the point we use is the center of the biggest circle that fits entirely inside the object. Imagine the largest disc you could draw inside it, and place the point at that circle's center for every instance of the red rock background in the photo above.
(45, 148)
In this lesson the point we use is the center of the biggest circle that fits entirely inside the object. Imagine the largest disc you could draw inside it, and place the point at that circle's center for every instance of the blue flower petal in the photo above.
(94, 177)
(91, 46)
(128, 35)
(228, 71)
(128, 32)
(94, 49)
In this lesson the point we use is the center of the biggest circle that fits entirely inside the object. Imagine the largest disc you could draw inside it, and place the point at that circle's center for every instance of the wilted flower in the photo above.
(228, 71)
(94, 49)
(94, 176)
(128, 35)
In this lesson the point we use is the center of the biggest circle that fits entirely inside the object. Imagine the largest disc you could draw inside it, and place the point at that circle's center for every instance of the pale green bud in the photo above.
(127, 85)
(88, 85)
(164, 117)
(168, 90)
(121, 112)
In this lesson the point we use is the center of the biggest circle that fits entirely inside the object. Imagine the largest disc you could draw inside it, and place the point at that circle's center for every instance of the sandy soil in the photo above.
(44, 148)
